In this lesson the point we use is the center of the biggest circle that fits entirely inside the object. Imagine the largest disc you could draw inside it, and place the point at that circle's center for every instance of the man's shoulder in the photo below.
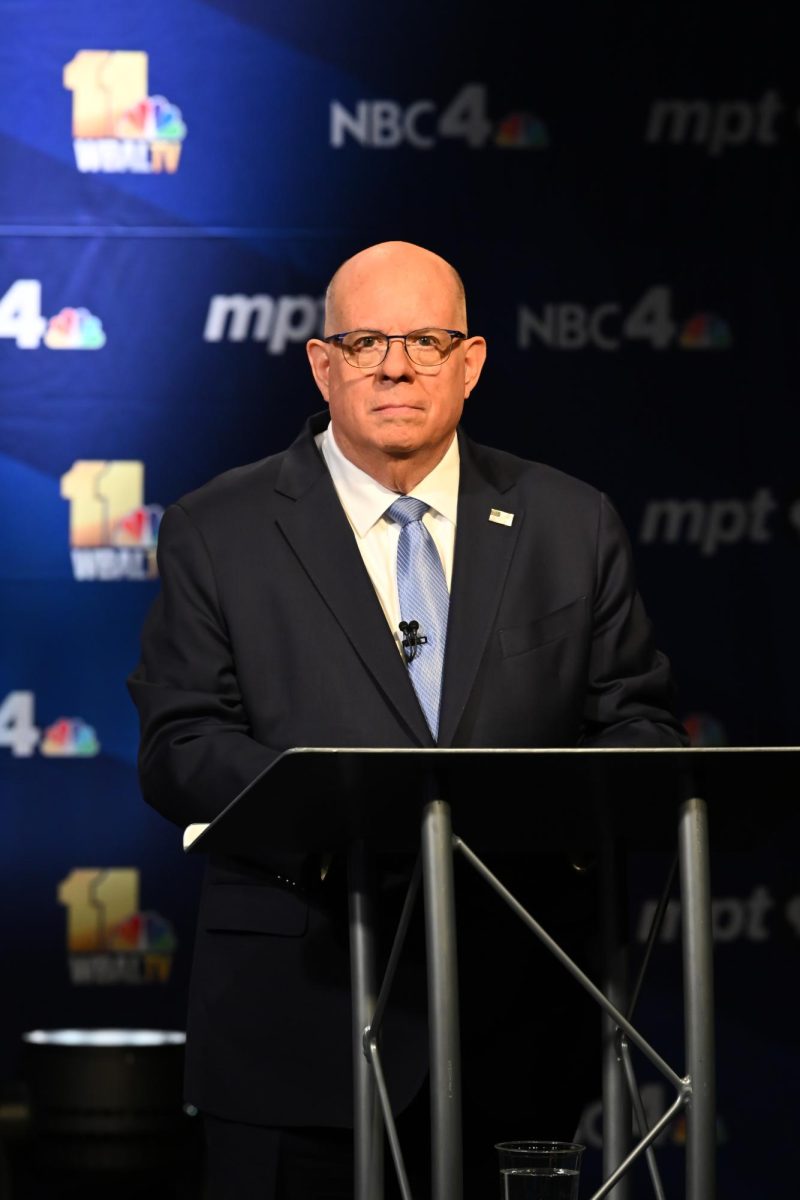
(256, 484)
(232, 487)
(233, 483)
(509, 469)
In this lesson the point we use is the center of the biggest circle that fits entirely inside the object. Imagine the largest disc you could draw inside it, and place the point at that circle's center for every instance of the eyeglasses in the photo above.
(367, 348)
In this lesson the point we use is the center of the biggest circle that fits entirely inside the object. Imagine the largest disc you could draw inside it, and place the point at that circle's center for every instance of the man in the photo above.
(279, 624)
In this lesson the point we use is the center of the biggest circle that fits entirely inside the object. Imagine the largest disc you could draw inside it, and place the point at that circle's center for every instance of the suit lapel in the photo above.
(483, 553)
(319, 533)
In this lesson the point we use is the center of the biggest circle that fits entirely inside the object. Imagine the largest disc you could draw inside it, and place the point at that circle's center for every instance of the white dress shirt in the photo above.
(364, 500)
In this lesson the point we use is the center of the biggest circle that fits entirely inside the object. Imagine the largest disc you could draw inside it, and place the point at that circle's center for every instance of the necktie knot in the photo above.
(407, 509)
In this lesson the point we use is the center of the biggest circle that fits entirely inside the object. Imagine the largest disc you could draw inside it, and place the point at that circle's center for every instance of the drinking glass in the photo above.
(539, 1170)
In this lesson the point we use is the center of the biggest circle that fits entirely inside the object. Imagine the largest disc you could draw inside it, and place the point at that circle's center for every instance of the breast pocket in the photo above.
(562, 622)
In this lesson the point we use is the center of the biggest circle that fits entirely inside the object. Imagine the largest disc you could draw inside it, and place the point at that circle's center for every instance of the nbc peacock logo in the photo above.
(705, 331)
(117, 126)
(69, 737)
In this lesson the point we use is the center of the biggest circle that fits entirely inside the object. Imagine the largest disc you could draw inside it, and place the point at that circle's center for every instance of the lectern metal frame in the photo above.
(654, 796)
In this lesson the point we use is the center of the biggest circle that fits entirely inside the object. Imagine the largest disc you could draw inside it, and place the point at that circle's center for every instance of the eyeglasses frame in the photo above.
(337, 339)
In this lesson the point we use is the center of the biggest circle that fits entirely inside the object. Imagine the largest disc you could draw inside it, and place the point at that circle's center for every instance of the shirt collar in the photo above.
(365, 500)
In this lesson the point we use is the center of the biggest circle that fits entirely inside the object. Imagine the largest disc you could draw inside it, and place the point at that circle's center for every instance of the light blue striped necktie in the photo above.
(424, 598)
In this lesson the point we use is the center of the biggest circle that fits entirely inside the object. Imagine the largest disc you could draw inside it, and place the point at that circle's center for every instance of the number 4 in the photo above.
(17, 730)
(651, 319)
(465, 116)
(21, 314)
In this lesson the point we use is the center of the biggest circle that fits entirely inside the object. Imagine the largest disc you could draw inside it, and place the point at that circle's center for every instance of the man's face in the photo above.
(396, 409)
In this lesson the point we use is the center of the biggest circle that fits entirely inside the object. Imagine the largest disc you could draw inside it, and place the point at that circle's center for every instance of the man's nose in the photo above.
(396, 361)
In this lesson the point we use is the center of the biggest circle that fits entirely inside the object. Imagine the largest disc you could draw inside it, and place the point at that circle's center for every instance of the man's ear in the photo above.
(319, 356)
(474, 358)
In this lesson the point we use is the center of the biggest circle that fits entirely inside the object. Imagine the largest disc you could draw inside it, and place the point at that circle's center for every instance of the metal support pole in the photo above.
(447, 1170)
(617, 1123)
(698, 998)
(368, 1127)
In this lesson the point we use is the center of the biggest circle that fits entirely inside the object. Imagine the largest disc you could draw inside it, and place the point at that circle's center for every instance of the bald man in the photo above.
(278, 625)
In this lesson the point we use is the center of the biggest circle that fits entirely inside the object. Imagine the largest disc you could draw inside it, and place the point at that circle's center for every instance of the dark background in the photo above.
(631, 259)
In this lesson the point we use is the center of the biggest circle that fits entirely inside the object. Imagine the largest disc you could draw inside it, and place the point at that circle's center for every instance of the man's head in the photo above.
(396, 419)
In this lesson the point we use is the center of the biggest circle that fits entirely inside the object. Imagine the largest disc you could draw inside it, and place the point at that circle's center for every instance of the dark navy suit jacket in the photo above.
(267, 634)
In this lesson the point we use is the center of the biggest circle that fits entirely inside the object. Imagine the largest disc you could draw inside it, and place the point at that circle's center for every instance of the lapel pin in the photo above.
(499, 517)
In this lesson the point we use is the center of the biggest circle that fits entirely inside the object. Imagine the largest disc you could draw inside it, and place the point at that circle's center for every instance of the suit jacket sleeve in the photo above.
(196, 751)
(630, 697)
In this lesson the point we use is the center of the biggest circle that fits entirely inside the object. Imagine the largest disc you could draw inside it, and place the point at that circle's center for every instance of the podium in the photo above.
(442, 802)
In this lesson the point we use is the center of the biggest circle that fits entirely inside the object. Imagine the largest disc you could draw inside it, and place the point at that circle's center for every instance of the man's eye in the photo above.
(367, 341)
(427, 341)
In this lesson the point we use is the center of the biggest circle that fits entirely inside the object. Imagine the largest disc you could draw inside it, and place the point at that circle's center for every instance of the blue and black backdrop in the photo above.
(618, 184)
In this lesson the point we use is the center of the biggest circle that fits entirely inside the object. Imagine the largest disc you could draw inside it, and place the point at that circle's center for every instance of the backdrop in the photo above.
(617, 184)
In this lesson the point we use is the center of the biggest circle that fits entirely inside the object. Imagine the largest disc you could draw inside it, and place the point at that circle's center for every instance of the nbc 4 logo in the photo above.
(70, 329)
(67, 737)
(112, 532)
(117, 126)
(385, 124)
(649, 321)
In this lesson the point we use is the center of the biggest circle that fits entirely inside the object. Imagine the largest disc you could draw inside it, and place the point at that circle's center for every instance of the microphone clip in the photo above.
(412, 639)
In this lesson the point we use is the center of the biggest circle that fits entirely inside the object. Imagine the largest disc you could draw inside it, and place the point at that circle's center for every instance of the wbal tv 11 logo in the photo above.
(112, 533)
(109, 939)
(117, 126)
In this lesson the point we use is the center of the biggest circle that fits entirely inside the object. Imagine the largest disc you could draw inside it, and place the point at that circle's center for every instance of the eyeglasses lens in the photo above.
(425, 347)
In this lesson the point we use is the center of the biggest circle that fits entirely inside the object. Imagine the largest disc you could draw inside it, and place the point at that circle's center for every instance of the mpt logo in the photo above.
(276, 321)
(716, 126)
